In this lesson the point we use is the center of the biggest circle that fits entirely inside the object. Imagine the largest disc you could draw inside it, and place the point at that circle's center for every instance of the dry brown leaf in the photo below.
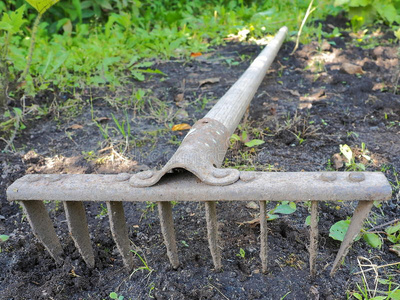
(251, 222)
(252, 205)
(209, 80)
(337, 161)
(75, 126)
(102, 119)
(196, 54)
(182, 126)
(351, 69)
(378, 86)
(179, 97)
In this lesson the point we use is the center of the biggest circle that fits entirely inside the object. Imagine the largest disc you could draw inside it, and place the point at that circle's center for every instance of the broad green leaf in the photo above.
(341, 2)
(255, 142)
(235, 137)
(357, 296)
(386, 10)
(395, 249)
(5, 26)
(359, 2)
(393, 229)
(308, 220)
(4, 237)
(394, 295)
(285, 209)
(113, 295)
(42, 5)
(13, 21)
(393, 238)
(272, 217)
(372, 239)
(339, 229)
(397, 33)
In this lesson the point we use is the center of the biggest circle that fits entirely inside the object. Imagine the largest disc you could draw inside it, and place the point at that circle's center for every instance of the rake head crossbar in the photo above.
(201, 155)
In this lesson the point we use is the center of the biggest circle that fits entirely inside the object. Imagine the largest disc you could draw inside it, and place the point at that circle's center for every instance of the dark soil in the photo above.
(305, 108)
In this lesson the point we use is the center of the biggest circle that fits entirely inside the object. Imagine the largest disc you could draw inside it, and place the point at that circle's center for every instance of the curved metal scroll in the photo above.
(201, 153)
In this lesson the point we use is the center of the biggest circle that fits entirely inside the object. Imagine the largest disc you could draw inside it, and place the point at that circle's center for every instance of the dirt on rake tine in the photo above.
(212, 233)
(360, 214)
(313, 237)
(43, 228)
(263, 236)
(78, 227)
(119, 231)
(168, 232)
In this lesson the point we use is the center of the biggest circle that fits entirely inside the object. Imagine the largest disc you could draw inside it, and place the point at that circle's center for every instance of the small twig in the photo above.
(31, 48)
(383, 225)
(375, 267)
(218, 291)
(308, 13)
(14, 134)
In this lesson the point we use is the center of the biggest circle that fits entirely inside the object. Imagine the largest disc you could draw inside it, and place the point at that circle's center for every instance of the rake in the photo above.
(201, 155)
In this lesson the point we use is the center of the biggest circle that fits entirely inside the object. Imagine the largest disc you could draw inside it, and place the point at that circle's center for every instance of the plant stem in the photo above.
(308, 13)
(31, 48)
(4, 71)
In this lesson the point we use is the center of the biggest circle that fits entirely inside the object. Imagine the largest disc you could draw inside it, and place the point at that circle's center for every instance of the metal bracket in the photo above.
(201, 153)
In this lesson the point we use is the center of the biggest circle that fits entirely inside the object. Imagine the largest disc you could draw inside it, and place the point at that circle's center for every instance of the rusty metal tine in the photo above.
(263, 236)
(43, 228)
(78, 227)
(119, 231)
(168, 231)
(212, 233)
(360, 214)
(313, 249)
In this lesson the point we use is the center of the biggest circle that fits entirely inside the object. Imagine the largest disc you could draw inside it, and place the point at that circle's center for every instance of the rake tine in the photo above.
(43, 228)
(313, 237)
(263, 236)
(78, 227)
(360, 214)
(119, 231)
(212, 233)
(168, 231)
